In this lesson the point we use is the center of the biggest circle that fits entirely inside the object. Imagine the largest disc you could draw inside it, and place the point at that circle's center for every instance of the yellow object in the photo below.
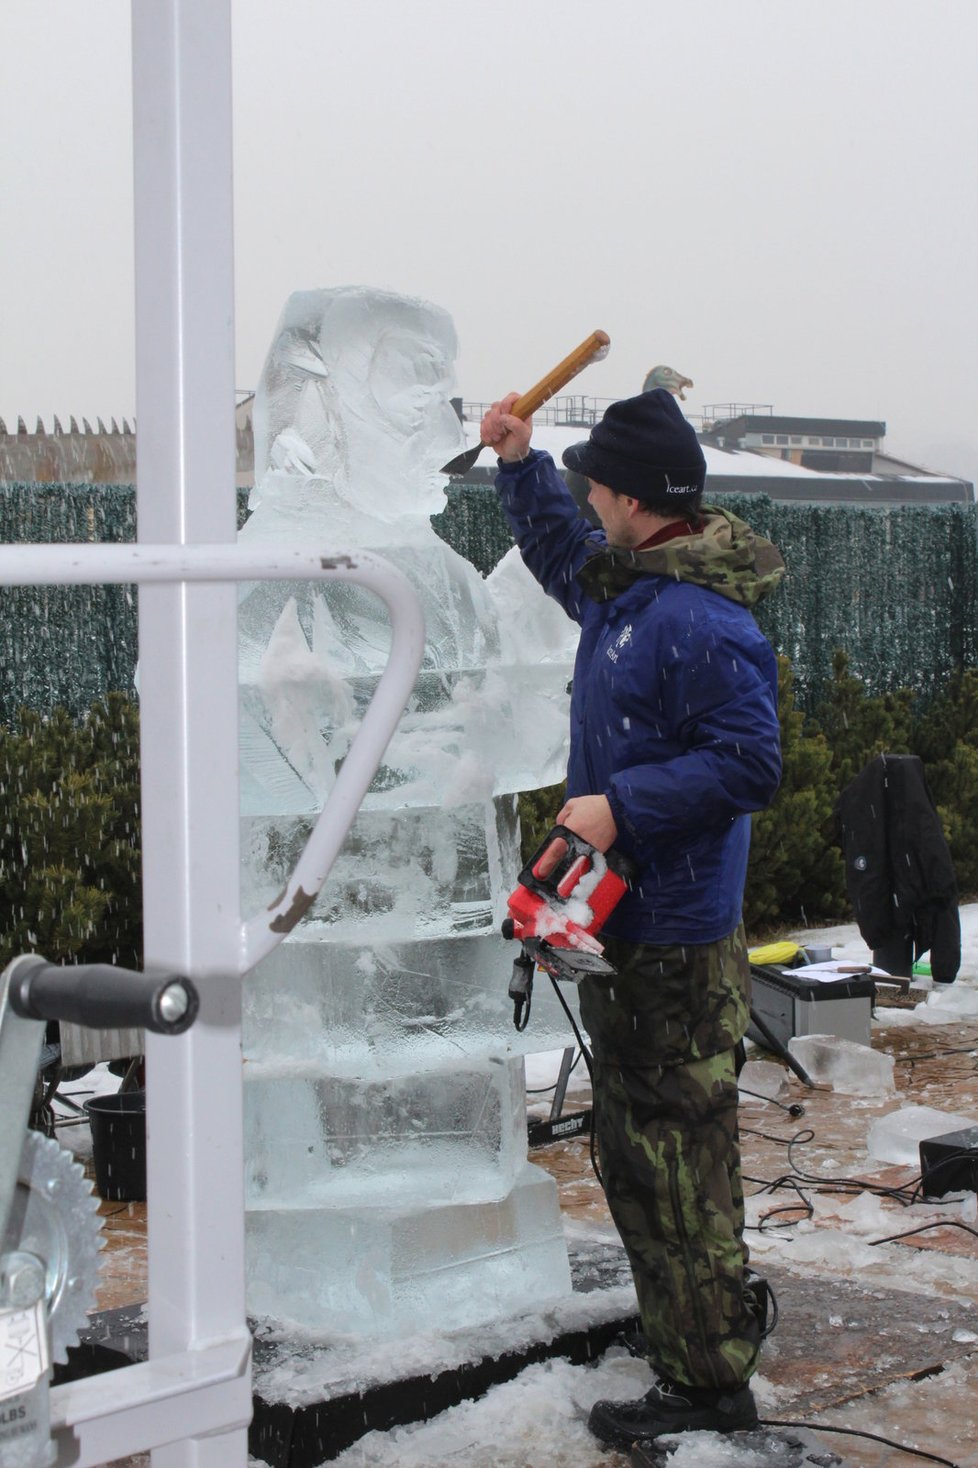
(774, 953)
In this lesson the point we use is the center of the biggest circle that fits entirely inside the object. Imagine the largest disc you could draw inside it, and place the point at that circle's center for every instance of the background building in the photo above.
(749, 450)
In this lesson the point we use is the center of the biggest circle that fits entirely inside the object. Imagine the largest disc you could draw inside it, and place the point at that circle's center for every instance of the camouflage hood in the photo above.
(724, 555)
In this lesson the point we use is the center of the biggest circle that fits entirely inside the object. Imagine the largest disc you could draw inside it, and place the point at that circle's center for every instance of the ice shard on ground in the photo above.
(387, 1178)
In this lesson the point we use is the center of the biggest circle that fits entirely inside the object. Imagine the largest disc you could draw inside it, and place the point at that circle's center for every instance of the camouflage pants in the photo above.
(670, 1161)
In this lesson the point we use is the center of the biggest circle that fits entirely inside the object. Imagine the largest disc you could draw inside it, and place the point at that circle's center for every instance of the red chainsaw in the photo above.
(566, 893)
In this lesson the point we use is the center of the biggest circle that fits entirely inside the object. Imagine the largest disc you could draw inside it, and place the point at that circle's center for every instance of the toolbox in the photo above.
(791, 1004)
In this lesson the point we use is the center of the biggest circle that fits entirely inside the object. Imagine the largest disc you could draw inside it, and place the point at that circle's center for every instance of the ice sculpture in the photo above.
(387, 1182)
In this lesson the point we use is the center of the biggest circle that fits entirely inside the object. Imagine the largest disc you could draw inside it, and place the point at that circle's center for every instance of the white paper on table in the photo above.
(835, 969)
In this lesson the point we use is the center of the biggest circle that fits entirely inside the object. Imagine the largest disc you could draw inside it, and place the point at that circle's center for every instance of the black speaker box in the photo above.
(949, 1164)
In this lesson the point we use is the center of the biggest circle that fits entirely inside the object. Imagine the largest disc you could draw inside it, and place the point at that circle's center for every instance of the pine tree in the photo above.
(951, 719)
(795, 869)
(858, 725)
(958, 810)
(69, 836)
(538, 812)
(946, 739)
(110, 737)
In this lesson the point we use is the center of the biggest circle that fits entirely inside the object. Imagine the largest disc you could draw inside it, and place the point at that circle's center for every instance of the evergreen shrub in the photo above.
(795, 870)
(69, 813)
(70, 886)
(858, 725)
(946, 739)
(538, 813)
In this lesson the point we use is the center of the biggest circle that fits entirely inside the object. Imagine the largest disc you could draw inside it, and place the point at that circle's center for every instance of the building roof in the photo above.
(774, 423)
(742, 472)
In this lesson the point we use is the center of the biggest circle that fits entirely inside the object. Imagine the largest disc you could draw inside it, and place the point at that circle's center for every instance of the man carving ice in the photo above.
(674, 740)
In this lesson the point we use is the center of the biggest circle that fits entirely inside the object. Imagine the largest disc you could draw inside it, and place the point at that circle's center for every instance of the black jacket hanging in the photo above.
(899, 874)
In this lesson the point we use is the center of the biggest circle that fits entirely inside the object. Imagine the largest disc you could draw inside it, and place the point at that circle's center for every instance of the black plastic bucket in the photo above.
(119, 1145)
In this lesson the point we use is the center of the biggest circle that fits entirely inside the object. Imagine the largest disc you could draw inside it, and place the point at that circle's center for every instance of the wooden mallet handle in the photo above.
(596, 345)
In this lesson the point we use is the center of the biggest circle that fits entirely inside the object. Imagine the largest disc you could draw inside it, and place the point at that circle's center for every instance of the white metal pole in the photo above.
(196, 1386)
(188, 684)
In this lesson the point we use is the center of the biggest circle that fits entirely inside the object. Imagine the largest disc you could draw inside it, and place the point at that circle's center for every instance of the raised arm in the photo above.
(553, 537)
(508, 435)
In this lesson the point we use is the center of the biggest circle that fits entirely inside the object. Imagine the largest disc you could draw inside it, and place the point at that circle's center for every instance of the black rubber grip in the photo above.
(100, 996)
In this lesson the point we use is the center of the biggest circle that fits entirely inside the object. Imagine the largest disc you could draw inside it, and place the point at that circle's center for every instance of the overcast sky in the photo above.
(776, 197)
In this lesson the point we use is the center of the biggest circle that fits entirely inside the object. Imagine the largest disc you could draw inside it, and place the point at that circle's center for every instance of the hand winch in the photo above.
(50, 1234)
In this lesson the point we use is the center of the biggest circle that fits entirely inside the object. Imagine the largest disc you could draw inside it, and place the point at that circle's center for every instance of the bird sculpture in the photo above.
(668, 378)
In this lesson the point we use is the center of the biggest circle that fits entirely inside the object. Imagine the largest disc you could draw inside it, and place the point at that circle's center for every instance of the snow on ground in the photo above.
(939, 1004)
(539, 1418)
(847, 944)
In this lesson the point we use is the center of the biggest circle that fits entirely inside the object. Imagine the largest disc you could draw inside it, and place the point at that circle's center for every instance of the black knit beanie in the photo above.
(645, 448)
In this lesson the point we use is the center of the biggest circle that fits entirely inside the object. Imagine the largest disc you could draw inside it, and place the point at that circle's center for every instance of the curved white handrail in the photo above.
(57, 565)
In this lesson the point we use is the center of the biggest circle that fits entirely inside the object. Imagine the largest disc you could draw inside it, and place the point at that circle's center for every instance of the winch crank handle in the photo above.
(595, 345)
(101, 996)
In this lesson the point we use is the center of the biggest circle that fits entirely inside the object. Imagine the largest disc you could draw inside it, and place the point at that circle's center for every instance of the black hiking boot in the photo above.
(671, 1407)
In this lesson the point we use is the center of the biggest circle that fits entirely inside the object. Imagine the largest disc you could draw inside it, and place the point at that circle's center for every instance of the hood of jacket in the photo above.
(724, 556)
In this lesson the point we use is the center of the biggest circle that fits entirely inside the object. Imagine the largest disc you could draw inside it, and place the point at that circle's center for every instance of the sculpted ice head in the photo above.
(353, 410)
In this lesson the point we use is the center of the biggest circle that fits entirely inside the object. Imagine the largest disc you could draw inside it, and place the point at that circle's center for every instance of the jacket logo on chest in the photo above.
(622, 640)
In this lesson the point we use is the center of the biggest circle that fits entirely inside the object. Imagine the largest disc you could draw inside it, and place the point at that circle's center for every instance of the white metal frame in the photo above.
(191, 1401)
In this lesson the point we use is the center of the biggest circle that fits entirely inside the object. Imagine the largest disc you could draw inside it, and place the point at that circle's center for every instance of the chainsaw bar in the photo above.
(569, 964)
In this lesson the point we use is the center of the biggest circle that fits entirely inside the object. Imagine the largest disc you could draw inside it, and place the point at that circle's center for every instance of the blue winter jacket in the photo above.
(674, 703)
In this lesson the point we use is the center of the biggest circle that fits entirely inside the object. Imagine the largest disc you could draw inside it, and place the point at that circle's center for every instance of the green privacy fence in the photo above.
(898, 589)
(68, 645)
(65, 645)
